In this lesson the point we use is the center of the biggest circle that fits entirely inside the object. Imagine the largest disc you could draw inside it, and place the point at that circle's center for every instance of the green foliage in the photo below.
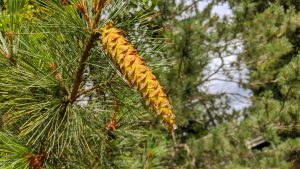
(13, 155)
(38, 77)
(107, 125)
(269, 32)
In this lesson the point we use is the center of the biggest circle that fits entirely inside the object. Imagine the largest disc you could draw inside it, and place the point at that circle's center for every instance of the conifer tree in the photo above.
(194, 38)
(268, 135)
(271, 40)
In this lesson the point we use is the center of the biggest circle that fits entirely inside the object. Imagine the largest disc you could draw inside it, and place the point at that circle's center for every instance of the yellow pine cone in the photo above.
(137, 73)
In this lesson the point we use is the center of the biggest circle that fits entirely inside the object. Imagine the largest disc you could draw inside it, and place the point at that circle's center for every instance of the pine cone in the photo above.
(132, 66)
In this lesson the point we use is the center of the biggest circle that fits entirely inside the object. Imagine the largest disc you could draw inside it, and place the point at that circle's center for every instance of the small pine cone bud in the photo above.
(56, 74)
(82, 7)
(137, 73)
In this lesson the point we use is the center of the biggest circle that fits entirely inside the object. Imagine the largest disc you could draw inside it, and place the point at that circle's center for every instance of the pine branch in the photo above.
(194, 3)
(82, 64)
(85, 55)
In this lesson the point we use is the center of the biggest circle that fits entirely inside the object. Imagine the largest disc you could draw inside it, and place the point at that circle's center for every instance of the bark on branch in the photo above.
(82, 64)
(90, 44)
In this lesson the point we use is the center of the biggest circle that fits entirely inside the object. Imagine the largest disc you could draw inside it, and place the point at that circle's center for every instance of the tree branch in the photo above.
(85, 55)
(82, 64)
(188, 7)
(217, 70)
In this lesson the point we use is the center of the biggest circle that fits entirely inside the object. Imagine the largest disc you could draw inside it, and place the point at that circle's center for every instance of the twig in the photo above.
(82, 64)
(188, 7)
(210, 115)
(148, 158)
(98, 10)
(174, 146)
(85, 55)
(195, 6)
(81, 6)
(11, 36)
(189, 152)
(216, 71)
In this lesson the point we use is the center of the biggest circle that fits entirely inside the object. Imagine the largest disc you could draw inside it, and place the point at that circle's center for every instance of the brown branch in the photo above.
(112, 125)
(149, 156)
(65, 2)
(35, 160)
(174, 147)
(86, 52)
(63, 107)
(189, 152)
(82, 64)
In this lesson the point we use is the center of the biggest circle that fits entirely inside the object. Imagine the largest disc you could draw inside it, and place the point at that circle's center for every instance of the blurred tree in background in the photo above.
(194, 38)
(266, 134)
(270, 34)
(267, 137)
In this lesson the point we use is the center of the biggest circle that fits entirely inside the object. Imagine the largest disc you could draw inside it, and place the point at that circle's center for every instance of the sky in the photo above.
(241, 99)
(221, 10)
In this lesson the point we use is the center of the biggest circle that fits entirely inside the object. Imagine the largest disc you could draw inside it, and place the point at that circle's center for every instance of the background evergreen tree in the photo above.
(193, 39)
(268, 135)
(271, 45)
(63, 102)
